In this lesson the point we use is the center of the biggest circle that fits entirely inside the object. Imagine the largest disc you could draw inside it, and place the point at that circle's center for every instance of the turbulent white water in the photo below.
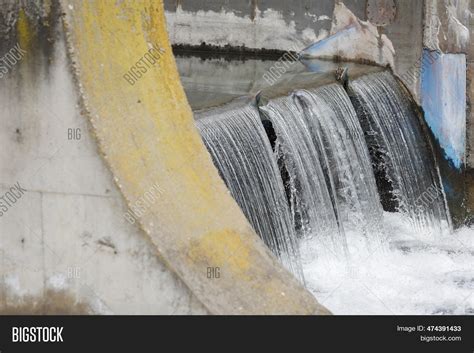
(412, 277)
(243, 156)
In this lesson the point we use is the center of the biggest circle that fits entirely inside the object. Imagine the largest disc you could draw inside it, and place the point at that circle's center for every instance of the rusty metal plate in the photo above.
(381, 12)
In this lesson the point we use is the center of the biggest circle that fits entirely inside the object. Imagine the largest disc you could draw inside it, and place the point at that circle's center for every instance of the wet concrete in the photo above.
(211, 80)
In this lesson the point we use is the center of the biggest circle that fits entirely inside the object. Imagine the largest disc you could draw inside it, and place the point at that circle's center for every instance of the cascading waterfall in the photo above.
(335, 157)
(240, 149)
(322, 146)
(338, 132)
(311, 201)
(400, 151)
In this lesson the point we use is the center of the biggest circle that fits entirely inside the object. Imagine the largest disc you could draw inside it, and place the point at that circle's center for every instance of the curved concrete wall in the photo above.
(67, 244)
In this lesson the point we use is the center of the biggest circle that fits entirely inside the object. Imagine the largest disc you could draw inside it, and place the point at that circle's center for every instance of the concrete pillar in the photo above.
(445, 95)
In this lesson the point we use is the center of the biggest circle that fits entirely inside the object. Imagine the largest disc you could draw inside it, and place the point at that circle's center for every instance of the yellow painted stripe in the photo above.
(147, 135)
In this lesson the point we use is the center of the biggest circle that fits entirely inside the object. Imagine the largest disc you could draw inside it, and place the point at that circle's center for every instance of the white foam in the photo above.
(410, 276)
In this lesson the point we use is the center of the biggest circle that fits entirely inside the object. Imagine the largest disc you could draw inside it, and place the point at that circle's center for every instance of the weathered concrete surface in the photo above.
(146, 134)
(446, 42)
(65, 246)
(284, 25)
(443, 98)
(447, 25)
(470, 90)
(470, 141)
(353, 39)
(259, 24)
(470, 114)
(406, 35)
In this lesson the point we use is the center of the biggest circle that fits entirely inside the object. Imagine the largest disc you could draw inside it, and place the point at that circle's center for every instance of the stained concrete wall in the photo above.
(65, 245)
(466, 17)
(443, 97)
(260, 24)
(444, 89)
(446, 98)
(285, 25)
